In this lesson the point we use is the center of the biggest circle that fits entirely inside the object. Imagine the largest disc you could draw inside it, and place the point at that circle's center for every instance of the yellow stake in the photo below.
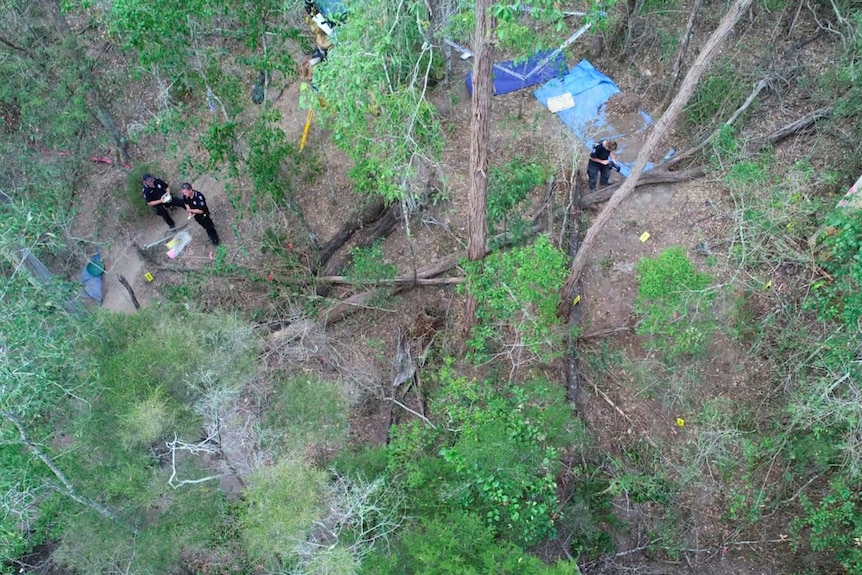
(305, 130)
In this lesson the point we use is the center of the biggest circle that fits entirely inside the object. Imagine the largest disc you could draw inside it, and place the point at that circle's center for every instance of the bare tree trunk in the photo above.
(680, 54)
(97, 102)
(480, 130)
(697, 70)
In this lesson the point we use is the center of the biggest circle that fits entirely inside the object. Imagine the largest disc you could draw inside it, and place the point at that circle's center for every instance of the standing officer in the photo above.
(196, 205)
(157, 194)
(602, 159)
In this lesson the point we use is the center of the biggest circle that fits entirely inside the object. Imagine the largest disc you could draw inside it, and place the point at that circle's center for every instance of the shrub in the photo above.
(282, 504)
(502, 461)
(306, 411)
(508, 186)
(517, 288)
(457, 544)
(147, 419)
(835, 525)
(368, 264)
(674, 304)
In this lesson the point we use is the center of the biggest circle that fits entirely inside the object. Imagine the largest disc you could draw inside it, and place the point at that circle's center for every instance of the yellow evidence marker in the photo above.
(644, 237)
(148, 276)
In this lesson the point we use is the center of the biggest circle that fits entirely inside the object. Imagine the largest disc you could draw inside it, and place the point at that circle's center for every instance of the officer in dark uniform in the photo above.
(602, 160)
(196, 205)
(154, 194)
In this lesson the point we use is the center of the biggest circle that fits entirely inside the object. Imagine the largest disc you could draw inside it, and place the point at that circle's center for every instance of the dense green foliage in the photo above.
(517, 288)
(673, 301)
(508, 187)
(456, 544)
(371, 92)
(495, 462)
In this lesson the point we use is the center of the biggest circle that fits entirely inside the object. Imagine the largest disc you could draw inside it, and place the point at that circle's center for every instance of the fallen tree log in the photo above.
(430, 281)
(384, 225)
(361, 300)
(574, 313)
(358, 301)
(681, 51)
(792, 128)
(368, 213)
(129, 289)
(657, 175)
(698, 68)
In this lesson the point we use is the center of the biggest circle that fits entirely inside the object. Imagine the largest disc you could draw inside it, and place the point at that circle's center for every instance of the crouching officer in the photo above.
(157, 194)
(196, 205)
(602, 161)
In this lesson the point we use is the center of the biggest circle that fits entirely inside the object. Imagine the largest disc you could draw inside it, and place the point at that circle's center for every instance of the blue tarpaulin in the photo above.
(91, 278)
(510, 76)
(590, 90)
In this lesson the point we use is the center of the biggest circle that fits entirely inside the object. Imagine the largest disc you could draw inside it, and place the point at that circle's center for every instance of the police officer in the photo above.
(602, 160)
(157, 194)
(196, 205)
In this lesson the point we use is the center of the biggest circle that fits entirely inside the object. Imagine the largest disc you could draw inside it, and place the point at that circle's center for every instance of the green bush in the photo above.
(718, 94)
(282, 504)
(517, 289)
(148, 419)
(306, 412)
(834, 525)
(674, 304)
(220, 141)
(840, 241)
(367, 264)
(458, 543)
(508, 186)
(268, 148)
(182, 520)
(501, 463)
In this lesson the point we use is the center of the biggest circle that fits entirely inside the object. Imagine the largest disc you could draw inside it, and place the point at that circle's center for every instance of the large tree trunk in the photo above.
(97, 102)
(480, 129)
(701, 63)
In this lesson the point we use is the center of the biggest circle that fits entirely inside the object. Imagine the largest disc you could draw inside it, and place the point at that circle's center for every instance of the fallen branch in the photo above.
(605, 332)
(360, 300)
(344, 280)
(616, 408)
(658, 175)
(193, 448)
(574, 313)
(793, 128)
(414, 412)
(367, 214)
(710, 49)
(129, 289)
(383, 226)
(65, 487)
